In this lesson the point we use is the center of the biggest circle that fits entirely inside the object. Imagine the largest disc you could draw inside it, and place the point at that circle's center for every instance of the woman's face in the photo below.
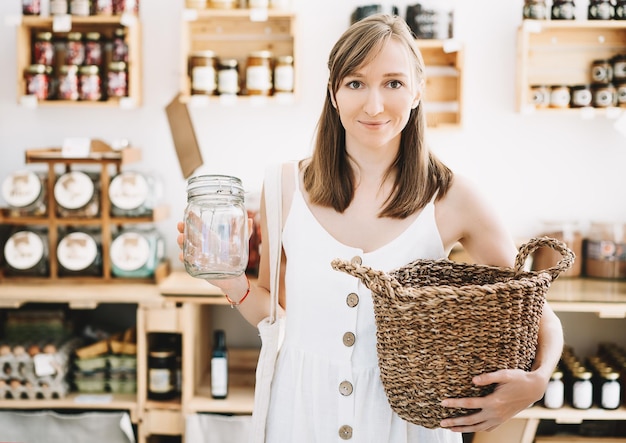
(375, 102)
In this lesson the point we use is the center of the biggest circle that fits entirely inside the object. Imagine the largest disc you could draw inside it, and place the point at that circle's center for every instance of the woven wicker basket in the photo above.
(439, 323)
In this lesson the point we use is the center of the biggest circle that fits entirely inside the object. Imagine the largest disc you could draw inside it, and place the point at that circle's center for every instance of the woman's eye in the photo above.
(395, 84)
(354, 84)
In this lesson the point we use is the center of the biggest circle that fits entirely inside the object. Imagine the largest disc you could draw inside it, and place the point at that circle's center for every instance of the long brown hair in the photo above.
(328, 176)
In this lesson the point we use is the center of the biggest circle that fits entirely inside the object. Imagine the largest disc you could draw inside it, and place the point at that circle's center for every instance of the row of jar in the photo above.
(234, 4)
(135, 252)
(578, 96)
(77, 48)
(81, 8)
(77, 194)
(583, 383)
(566, 10)
(264, 74)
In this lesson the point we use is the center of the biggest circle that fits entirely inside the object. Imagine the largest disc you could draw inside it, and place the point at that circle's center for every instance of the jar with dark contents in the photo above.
(540, 96)
(26, 253)
(125, 7)
(259, 73)
(79, 253)
(120, 47)
(43, 49)
(620, 91)
(604, 95)
(228, 77)
(74, 49)
(77, 195)
(581, 96)
(80, 8)
(619, 67)
(600, 10)
(31, 7)
(68, 83)
(90, 83)
(563, 10)
(25, 194)
(203, 72)
(93, 49)
(620, 10)
(103, 7)
(38, 81)
(117, 80)
(161, 374)
(601, 71)
(535, 10)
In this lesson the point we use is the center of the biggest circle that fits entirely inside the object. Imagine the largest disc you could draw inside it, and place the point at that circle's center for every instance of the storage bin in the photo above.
(216, 428)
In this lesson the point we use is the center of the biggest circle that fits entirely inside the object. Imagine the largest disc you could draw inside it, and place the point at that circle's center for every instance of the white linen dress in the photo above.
(327, 385)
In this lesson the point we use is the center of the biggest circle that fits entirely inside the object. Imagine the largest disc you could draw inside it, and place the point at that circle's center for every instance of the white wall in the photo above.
(532, 167)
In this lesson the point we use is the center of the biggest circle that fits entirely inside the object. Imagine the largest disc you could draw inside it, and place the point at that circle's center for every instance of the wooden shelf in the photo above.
(567, 414)
(239, 401)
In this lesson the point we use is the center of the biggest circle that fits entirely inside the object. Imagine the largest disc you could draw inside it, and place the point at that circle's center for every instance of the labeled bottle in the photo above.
(203, 72)
(259, 73)
(610, 390)
(90, 83)
(535, 10)
(74, 49)
(563, 10)
(216, 227)
(600, 10)
(582, 390)
(38, 81)
(117, 80)
(580, 96)
(555, 391)
(219, 366)
(68, 83)
(120, 46)
(284, 74)
(228, 77)
(31, 7)
(93, 48)
(43, 49)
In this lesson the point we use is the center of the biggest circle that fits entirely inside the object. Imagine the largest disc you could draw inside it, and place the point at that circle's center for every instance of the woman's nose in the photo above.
(373, 103)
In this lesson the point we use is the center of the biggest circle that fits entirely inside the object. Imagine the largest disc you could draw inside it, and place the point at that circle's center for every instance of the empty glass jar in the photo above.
(215, 242)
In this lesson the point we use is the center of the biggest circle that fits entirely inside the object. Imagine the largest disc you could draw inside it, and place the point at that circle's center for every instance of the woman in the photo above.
(373, 189)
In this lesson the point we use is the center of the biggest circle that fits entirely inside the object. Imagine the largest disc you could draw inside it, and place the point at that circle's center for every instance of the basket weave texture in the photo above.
(439, 323)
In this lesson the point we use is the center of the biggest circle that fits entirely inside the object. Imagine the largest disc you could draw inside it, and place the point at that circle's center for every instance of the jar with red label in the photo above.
(117, 80)
(74, 49)
(77, 195)
(26, 253)
(38, 81)
(25, 193)
(68, 83)
(93, 49)
(120, 47)
(125, 6)
(43, 49)
(90, 83)
(31, 7)
(79, 253)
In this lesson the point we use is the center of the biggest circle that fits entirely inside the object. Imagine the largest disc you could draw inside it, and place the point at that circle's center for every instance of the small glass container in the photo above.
(93, 48)
(535, 10)
(103, 7)
(90, 83)
(58, 7)
(136, 252)
(125, 7)
(162, 374)
(203, 72)
(80, 8)
(601, 71)
(563, 10)
(258, 3)
(216, 227)
(620, 10)
(25, 193)
(77, 195)
(26, 253)
(79, 253)
(38, 81)
(605, 250)
(43, 49)
(74, 49)
(134, 194)
(228, 77)
(117, 80)
(284, 74)
(554, 396)
(68, 83)
(618, 63)
(120, 47)
(610, 390)
(540, 96)
(620, 92)
(559, 96)
(582, 390)
(600, 10)
(31, 7)
(604, 95)
(581, 96)
(259, 73)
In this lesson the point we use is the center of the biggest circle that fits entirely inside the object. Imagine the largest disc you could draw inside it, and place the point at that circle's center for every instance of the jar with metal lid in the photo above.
(202, 71)
(103, 7)
(26, 253)
(74, 49)
(43, 49)
(620, 92)
(80, 8)
(582, 390)
(215, 241)
(120, 46)
(600, 10)
(535, 10)
(134, 194)
(540, 96)
(68, 83)
(605, 250)
(161, 374)
(58, 7)
(554, 396)
(259, 73)
(604, 95)
(93, 48)
(25, 193)
(228, 77)
(38, 81)
(79, 253)
(77, 195)
(223, 4)
(117, 80)
(581, 96)
(136, 252)
(563, 10)
(620, 10)
(31, 7)
(284, 74)
(601, 71)
(559, 96)
(610, 390)
(90, 83)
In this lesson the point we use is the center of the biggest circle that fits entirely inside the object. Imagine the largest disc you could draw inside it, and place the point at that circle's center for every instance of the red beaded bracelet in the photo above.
(237, 303)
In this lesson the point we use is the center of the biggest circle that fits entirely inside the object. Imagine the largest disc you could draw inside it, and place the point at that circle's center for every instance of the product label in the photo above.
(21, 189)
(554, 395)
(76, 251)
(611, 395)
(129, 190)
(160, 381)
(258, 78)
(219, 377)
(283, 78)
(24, 250)
(130, 251)
(203, 79)
(73, 190)
(228, 81)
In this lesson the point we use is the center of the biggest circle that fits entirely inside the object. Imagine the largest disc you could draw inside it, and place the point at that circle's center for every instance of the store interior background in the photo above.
(531, 167)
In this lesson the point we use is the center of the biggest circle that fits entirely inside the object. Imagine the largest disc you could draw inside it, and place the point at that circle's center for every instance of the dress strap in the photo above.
(296, 176)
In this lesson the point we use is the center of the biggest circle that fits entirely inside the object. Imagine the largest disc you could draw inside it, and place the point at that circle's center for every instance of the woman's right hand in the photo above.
(181, 229)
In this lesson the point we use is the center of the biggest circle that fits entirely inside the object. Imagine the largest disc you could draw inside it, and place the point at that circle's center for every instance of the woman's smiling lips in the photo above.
(373, 124)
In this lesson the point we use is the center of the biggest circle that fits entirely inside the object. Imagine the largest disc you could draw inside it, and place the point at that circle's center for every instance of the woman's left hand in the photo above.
(516, 390)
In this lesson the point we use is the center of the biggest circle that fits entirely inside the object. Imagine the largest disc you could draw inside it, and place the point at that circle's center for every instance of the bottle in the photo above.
(582, 390)
(610, 390)
(219, 366)
(554, 395)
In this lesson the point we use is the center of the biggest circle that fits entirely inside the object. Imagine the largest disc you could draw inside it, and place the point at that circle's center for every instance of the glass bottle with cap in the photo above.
(219, 366)
(554, 396)
(228, 77)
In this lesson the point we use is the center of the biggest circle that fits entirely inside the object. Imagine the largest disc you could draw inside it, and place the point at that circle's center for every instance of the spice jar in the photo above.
(535, 10)
(600, 10)
(284, 74)
(610, 390)
(554, 396)
(133, 194)
(161, 373)
(31, 7)
(559, 96)
(563, 10)
(38, 81)
(120, 47)
(25, 193)
(90, 84)
(43, 49)
(93, 49)
(203, 72)
(582, 390)
(76, 195)
(68, 82)
(79, 253)
(601, 71)
(117, 80)
(540, 96)
(74, 49)
(580, 96)
(618, 64)
(259, 73)
(58, 7)
(604, 95)
(215, 227)
(136, 252)
(228, 77)
(569, 233)
(81, 8)
(26, 253)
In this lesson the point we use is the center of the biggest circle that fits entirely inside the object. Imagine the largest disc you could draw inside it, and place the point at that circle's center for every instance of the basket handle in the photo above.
(541, 242)
(374, 280)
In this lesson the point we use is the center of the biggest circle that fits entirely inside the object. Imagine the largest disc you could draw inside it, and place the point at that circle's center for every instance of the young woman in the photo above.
(373, 189)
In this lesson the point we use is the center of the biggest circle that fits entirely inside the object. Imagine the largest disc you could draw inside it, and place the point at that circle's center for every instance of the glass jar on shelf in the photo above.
(103, 7)
(77, 195)
(25, 193)
(26, 253)
(74, 49)
(79, 253)
(68, 83)
(90, 83)
(136, 252)
(203, 72)
(38, 81)
(43, 49)
(31, 7)
(120, 46)
(134, 194)
(259, 73)
(284, 74)
(228, 77)
(93, 48)
(117, 80)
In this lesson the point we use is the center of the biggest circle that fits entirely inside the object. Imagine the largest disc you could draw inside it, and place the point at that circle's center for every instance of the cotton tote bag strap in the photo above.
(271, 326)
